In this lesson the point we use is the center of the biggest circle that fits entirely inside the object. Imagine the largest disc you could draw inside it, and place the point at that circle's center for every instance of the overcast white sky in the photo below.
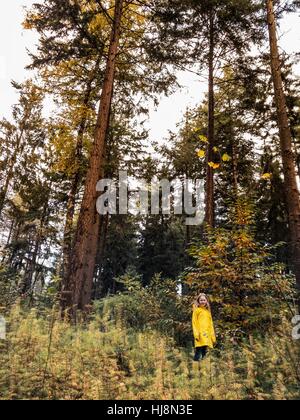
(13, 59)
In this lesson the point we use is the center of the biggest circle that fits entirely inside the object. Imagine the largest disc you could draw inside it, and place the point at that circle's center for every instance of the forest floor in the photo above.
(44, 358)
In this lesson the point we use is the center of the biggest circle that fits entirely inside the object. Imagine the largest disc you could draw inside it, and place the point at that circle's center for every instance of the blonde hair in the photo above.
(197, 300)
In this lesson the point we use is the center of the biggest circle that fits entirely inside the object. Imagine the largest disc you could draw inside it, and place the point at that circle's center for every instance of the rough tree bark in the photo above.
(68, 230)
(288, 158)
(85, 244)
(95, 238)
(210, 202)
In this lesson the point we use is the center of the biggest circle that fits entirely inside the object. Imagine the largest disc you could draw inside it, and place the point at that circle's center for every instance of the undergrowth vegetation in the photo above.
(44, 357)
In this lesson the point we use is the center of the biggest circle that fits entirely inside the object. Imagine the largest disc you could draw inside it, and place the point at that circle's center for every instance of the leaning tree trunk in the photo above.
(75, 184)
(210, 202)
(288, 158)
(93, 244)
(85, 244)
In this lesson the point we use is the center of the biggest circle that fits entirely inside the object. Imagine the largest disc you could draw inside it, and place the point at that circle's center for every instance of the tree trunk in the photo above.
(235, 170)
(68, 231)
(210, 202)
(103, 233)
(15, 237)
(10, 172)
(233, 145)
(288, 159)
(85, 245)
(11, 230)
(93, 244)
(27, 285)
(27, 282)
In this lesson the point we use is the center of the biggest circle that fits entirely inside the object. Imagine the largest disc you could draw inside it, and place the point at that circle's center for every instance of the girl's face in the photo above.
(203, 302)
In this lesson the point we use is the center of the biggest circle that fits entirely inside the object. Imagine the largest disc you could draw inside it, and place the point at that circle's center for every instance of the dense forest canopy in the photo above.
(103, 64)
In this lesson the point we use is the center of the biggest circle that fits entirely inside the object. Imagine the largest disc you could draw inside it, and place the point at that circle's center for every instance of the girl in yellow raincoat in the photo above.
(203, 327)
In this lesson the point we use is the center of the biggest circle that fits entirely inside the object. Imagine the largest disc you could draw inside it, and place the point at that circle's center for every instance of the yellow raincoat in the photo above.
(203, 328)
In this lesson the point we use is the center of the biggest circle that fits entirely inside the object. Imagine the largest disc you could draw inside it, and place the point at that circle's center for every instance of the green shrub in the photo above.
(158, 306)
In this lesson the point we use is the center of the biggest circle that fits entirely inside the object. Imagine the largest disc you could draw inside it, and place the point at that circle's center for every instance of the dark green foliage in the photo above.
(161, 248)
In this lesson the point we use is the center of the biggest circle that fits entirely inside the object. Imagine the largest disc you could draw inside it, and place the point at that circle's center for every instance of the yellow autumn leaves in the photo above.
(266, 176)
(226, 158)
(203, 139)
(214, 165)
(201, 153)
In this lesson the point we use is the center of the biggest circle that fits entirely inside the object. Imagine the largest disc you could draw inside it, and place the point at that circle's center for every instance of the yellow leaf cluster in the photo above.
(203, 139)
(266, 176)
(226, 158)
(214, 165)
(29, 22)
(201, 154)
